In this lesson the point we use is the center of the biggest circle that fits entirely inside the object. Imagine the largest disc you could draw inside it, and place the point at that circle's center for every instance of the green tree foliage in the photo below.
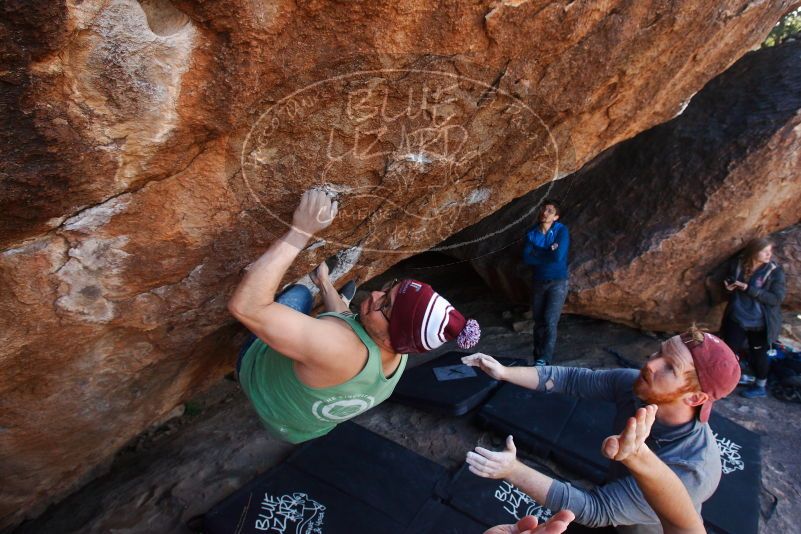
(789, 27)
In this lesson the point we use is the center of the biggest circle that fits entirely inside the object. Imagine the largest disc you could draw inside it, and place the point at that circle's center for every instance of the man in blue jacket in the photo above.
(545, 251)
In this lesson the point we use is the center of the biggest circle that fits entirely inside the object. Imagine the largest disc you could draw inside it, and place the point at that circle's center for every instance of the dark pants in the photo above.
(547, 299)
(737, 337)
(296, 297)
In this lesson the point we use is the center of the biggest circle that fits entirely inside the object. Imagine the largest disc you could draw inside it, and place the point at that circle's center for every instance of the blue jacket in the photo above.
(547, 264)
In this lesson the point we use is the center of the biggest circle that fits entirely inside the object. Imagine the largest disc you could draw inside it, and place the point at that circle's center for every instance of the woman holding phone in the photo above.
(756, 287)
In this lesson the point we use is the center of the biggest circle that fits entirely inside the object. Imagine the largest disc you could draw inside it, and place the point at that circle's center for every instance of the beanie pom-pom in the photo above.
(470, 334)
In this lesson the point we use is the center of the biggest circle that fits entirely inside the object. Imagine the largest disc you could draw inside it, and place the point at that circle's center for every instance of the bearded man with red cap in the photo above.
(684, 379)
(304, 375)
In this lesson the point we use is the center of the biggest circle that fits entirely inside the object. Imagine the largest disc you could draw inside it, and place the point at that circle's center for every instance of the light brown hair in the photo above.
(691, 337)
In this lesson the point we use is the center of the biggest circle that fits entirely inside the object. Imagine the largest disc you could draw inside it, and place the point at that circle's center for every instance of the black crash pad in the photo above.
(365, 482)
(535, 419)
(284, 499)
(446, 386)
(491, 502)
(579, 444)
(439, 518)
(495, 502)
(734, 508)
(379, 471)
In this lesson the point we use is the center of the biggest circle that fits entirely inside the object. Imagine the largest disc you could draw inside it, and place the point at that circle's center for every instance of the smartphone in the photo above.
(729, 280)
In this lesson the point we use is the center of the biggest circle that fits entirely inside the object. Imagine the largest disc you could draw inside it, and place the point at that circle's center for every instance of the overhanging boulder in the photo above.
(153, 149)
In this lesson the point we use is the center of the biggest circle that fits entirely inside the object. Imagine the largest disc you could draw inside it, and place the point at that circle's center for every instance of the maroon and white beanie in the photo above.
(422, 320)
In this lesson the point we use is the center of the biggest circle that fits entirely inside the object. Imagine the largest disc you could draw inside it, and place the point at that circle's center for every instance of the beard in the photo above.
(643, 391)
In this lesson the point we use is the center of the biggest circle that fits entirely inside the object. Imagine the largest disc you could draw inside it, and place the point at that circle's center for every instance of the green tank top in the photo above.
(295, 412)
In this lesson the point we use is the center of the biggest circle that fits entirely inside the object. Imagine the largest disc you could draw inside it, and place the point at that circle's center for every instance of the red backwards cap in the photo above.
(717, 367)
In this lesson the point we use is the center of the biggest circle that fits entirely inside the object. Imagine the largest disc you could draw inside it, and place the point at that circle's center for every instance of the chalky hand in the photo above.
(493, 464)
(556, 524)
(315, 212)
(486, 363)
(632, 440)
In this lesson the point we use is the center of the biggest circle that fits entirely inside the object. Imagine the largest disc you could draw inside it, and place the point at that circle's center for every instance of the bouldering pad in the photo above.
(446, 386)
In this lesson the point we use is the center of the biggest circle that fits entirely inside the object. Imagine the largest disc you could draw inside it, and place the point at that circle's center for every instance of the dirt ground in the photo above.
(182, 468)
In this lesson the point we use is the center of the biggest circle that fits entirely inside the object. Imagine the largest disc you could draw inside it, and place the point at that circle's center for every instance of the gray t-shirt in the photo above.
(689, 450)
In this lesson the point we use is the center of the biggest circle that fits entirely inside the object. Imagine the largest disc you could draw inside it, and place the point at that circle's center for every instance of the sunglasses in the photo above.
(386, 304)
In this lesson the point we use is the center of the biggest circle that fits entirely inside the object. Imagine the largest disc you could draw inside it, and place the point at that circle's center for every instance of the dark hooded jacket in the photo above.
(769, 296)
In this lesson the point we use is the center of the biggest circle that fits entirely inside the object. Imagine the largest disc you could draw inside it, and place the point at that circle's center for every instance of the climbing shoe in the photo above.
(746, 380)
(347, 292)
(755, 392)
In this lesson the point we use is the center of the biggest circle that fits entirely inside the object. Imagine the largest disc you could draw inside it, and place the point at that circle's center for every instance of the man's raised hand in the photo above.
(486, 363)
(315, 212)
(632, 439)
(492, 464)
(556, 524)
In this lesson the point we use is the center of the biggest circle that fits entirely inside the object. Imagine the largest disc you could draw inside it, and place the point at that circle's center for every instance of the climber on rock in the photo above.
(305, 375)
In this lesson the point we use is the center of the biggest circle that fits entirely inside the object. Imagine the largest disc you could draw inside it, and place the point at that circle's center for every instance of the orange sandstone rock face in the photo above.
(655, 216)
(153, 149)
(787, 252)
